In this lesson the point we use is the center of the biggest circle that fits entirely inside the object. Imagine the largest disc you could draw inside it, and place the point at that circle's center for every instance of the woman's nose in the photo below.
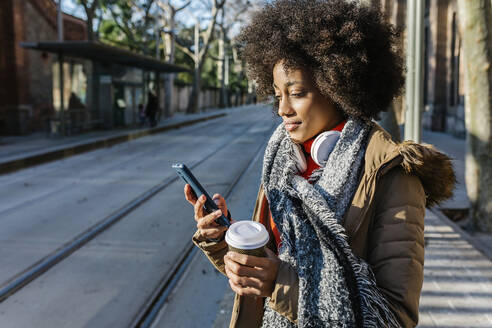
(284, 108)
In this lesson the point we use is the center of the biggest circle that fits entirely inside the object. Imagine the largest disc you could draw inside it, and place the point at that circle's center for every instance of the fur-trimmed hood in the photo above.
(434, 168)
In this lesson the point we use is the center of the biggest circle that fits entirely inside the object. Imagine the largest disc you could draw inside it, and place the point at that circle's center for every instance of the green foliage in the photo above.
(126, 25)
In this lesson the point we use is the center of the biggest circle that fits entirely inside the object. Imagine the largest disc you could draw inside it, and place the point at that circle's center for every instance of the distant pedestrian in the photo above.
(151, 109)
(344, 205)
(141, 115)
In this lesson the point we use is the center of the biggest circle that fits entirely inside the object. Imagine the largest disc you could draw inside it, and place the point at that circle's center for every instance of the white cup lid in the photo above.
(247, 235)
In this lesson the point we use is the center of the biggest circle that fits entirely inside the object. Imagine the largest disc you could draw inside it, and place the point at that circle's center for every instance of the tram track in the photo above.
(23, 278)
(148, 313)
(111, 167)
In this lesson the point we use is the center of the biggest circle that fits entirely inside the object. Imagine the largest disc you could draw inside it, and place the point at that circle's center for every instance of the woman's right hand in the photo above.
(206, 225)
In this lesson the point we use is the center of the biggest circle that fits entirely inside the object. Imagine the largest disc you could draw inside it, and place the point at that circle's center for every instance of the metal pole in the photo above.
(157, 42)
(409, 83)
(414, 83)
(197, 66)
(59, 17)
(419, 59)
(60, 21)
(197, 43)
(158, 94)
(62, 105)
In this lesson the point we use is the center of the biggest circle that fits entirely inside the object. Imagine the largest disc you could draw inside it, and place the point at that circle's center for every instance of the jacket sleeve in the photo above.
(396, 243)
(215, 251)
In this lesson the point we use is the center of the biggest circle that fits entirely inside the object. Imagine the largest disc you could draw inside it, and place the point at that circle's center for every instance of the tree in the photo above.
(232, 13)
(168, 22)
(90, 8)
(476, 28)
(199, 52)
(130, 24)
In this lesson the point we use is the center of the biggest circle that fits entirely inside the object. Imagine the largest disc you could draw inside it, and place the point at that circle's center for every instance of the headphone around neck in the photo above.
(320, 150)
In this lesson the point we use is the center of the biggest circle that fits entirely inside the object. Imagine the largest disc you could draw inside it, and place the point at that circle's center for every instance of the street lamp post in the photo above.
(414, 85)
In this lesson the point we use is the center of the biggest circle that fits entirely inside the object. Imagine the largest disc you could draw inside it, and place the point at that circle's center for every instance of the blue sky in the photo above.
(70, 7)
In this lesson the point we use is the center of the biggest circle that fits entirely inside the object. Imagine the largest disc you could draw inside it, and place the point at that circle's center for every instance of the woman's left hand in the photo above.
(252, 275)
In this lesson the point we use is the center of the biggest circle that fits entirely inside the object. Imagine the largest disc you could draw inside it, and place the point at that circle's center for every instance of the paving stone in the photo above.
(457, 289)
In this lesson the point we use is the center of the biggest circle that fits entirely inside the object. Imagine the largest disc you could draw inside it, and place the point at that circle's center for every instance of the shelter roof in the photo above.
(104, 53)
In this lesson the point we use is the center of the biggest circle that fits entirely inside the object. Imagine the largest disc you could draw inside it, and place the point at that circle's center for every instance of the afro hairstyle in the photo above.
(348, 47)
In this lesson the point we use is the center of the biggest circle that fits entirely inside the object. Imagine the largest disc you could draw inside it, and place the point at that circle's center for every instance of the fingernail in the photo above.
(202, 197)
(218, 212)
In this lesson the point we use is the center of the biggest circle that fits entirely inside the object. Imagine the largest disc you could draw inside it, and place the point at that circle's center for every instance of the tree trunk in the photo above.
(169, 79)
(194, 104)
(221, 70)
(200, 55)
(168, 92)
(221, 73)
(169, 40)
(90, 27)
(476, 27)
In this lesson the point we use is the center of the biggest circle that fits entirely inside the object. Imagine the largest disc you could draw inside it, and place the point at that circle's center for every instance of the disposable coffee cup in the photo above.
(247, 237)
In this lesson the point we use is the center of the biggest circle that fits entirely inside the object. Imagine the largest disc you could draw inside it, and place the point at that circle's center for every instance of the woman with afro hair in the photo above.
(344, 205)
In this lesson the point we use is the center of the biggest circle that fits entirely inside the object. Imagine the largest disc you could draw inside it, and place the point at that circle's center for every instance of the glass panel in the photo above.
(56, 86)
(79, 83)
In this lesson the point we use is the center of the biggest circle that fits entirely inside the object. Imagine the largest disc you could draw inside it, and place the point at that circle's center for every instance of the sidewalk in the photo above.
(457, 290)
(455, 148)
(18, 152)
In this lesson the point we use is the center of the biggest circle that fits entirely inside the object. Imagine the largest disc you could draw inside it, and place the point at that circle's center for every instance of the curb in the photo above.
(83, 147)
(476, 243)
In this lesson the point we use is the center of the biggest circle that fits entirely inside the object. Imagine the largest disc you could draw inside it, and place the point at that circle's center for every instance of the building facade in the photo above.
(444, 107)
(26, 77)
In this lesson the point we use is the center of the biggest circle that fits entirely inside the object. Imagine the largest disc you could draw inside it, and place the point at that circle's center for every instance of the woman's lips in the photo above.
(292, 126)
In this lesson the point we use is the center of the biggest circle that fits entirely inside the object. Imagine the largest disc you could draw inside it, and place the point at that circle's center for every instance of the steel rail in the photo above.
(111, 167)
(32, 272)
(150, 310)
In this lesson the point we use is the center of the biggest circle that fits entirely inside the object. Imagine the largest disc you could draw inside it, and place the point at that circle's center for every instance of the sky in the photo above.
(73, 8)
(70, 7)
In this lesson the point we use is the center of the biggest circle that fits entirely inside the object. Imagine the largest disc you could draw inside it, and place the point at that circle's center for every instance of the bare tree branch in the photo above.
(185, 50)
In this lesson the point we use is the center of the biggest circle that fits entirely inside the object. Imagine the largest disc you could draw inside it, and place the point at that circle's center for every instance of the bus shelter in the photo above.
(95, 84)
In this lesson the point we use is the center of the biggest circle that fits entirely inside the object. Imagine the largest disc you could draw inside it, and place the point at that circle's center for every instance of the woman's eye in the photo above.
(297, 94)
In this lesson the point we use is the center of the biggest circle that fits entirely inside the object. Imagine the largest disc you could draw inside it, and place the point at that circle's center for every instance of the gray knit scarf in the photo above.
(336, 288)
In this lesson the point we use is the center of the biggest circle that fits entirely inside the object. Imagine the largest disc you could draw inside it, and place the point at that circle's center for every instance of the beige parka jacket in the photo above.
(385, 226)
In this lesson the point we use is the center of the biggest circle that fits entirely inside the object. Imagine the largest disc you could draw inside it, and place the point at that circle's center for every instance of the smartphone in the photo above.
(210, 206)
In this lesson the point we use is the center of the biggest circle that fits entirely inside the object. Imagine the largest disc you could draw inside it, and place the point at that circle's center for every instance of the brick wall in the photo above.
(40, 67)
(26, 75)
(7, 58)
(445, 71)
(14, 68)
(74, 28)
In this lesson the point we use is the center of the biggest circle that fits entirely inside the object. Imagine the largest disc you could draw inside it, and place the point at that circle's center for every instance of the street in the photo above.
(103, 239)
(99, 98)
(107, 281)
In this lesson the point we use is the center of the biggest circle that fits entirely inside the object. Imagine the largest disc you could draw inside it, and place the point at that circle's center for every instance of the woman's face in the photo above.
(303, 109)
